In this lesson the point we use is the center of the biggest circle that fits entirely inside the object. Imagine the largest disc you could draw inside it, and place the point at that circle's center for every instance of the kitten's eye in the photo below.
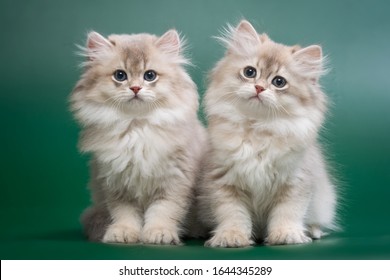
(120, 75)
(279, 82)
(150, 75)
(250, 72)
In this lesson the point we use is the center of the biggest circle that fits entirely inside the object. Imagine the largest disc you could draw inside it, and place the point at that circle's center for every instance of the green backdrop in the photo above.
(43, 177)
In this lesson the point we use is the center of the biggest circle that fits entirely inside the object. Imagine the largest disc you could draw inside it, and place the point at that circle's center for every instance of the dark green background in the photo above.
(43, 178)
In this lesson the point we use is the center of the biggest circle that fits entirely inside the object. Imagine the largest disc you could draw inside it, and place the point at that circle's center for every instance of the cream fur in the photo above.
(146, 148)
(266, 178)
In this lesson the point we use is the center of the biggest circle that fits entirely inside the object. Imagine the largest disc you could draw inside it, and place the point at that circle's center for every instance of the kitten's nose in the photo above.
(135, 89)
(259, 89)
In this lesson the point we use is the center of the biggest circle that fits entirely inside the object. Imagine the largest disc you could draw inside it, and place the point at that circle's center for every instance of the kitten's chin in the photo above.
(254, 101)
(136, 98)
(133, 106)
(139, 101)
(250, 98)
(254, 107)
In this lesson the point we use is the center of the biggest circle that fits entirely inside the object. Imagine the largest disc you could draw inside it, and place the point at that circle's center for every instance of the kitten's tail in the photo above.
(95, 221)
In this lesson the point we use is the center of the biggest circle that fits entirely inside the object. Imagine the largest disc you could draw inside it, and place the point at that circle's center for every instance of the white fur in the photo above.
(266, 179)
(147, 146)
(242, 40)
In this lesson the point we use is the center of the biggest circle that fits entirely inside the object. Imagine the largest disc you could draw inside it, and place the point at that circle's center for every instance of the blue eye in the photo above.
(279, 81)
(250, 72)
(150, 75)
(120, 75)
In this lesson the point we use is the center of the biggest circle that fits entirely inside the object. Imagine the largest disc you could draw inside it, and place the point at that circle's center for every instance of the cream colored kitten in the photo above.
(138, 108)
(266, 178)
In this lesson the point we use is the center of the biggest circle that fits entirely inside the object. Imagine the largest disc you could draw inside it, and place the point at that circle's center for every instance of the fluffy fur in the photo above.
(144, 136)
(266, 178)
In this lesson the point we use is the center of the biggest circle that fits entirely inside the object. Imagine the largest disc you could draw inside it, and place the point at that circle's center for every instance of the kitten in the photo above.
(138, 109)
(266, 178)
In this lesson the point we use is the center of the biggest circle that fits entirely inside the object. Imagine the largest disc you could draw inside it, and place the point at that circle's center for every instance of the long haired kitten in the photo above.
(266, 178)
(138, 111)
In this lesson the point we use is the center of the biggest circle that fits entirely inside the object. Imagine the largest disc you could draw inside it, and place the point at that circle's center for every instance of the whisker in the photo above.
(119, 94)
(284, 109)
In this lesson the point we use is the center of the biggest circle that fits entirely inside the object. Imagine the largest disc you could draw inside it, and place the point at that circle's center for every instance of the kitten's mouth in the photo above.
(135, 98)
(256, 98)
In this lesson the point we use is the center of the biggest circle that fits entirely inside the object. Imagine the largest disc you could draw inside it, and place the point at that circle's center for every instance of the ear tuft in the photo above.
(174, 46)
(313, 52)
(264, 37)
(310, 61)
(242, 40)
(96, 41)
(96, 44)
(170, 42)
(246, 29)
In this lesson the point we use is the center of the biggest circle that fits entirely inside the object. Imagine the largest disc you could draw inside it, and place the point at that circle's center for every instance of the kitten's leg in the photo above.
(286, 219)
(163, 219)
(322, 208)
(234, 225)
(126, 224)
(321, 213)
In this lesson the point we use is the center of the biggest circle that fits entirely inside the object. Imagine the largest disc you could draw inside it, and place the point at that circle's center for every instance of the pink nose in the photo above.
(135, 89)
(259, 89)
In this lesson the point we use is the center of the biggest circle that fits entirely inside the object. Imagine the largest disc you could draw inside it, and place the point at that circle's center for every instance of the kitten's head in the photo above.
(266, 79)
(132, 75)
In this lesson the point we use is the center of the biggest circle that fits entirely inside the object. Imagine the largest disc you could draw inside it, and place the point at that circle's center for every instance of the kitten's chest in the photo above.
(261, 160)
(138, 151)
(139, 163)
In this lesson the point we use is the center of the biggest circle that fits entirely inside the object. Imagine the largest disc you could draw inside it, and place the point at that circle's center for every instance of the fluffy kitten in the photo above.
(138, 108)
(266, 177)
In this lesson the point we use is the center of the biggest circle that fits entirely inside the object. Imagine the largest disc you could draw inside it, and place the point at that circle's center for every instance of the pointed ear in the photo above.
(246, 29)
(95, 44)
(170, 42)
(245, 38)
(311, 53)
(310, 60)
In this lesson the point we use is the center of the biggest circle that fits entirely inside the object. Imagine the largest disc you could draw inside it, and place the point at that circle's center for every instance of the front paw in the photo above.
(160, 236)
(121, 234)
(229, 238)
(287, 236)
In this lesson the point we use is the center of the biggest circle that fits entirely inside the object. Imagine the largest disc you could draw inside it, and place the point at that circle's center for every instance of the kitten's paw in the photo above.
(121, 234)
(287, 236)
(229, 238)
(161, 236)
(316, 232)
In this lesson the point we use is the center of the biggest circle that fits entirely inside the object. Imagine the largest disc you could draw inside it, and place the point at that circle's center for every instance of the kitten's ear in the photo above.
(169, 43)
(244, 38)
(96, 43)
(309, 53)
(246, 29)
(310, 60)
